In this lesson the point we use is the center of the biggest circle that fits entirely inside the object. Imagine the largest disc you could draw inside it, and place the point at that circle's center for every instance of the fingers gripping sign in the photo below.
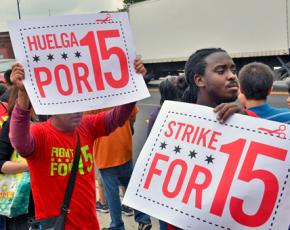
(17, 76)
(139, 67)
(226, 110)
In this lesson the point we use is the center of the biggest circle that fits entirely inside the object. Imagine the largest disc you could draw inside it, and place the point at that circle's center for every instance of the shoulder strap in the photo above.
(72, 179)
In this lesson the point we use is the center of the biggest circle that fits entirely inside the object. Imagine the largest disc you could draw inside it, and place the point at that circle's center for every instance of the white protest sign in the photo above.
(196, 173)
(77, 63)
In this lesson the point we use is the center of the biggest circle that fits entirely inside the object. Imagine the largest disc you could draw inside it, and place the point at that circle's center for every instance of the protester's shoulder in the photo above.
(281, 111)
(262, 107)
(94, 124)
(97, 111)
(91, 119)
(278, 114)
(266, 110)
(43, 126)
(41, 123)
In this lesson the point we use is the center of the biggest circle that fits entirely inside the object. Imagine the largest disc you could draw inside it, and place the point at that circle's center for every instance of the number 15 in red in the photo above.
(90, 40)
(246, 174)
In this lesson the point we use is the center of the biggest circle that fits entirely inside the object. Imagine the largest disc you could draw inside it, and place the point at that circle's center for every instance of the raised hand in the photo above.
(139, 67)
(17, 76)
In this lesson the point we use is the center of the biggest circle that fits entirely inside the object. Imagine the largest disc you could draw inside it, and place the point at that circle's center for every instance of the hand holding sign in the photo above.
(17, 76)
(197, 173)
(139, 67)
(80, 64)
(226, 110)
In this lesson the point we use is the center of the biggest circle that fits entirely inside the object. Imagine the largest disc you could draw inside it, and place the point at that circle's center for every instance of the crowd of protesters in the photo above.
(210, 79)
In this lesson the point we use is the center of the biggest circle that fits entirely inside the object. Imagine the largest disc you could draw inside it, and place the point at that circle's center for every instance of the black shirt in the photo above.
(6, 148)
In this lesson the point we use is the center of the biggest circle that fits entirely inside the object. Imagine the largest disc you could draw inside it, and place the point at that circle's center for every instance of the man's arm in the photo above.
(19, 135)
(118, 116)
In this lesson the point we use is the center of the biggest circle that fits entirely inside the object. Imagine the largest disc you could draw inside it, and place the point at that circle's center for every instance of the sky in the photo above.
(34, 8)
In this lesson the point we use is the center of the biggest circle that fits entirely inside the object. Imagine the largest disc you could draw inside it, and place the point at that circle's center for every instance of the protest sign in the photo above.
(196, 173)
(77, 63)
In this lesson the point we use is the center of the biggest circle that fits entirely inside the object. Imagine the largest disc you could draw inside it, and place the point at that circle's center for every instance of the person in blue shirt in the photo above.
(256, 84)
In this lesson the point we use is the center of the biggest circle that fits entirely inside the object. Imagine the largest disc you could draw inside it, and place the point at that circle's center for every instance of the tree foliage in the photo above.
(128, 2)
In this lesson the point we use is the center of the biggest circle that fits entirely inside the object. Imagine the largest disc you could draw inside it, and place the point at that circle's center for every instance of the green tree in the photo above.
(127, 3)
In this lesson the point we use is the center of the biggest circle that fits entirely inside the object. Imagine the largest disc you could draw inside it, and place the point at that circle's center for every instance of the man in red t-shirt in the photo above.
(49, 148)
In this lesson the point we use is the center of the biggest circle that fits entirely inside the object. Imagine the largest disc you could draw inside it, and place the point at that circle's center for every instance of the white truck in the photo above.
(167, 32)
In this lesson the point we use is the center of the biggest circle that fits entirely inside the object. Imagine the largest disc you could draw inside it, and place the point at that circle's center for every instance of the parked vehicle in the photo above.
(167, 32)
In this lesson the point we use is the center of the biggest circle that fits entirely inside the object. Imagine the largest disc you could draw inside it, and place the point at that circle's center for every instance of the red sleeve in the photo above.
(117, 116)
(20, 136)
(37, 131)
(102, 124)
(96, 124)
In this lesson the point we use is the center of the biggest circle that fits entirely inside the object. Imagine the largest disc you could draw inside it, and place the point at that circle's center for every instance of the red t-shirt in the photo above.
(3, 113)
(50, 164)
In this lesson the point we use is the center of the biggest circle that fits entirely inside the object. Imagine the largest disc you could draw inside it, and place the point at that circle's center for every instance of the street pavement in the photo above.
(130, 224)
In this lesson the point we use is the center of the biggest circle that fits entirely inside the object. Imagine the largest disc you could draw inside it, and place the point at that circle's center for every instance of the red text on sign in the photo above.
(270, 181)
(90, 41)
(192, 134)
(182, 166)
(44, 77)
(162, 168)
(77, 78)
(52, 41)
